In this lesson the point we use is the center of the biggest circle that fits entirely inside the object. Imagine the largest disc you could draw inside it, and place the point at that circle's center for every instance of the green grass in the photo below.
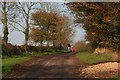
(8, 63)
(59, 51)
(115, 78)
(92, 58)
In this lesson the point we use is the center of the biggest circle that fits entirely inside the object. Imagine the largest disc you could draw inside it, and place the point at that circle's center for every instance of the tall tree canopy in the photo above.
(54, 26)
(101, 22)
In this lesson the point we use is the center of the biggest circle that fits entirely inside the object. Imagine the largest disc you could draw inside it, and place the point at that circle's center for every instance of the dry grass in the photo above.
(103, 50)
(114, 56)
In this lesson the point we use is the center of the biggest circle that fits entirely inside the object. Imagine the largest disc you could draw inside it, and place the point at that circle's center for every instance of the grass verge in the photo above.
(93, 58)
(115, 78)
(7, 64)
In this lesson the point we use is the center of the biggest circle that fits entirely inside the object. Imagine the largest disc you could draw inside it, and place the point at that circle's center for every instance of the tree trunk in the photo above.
(54, 44)
(26, 50)
(60, 46)
(41, 42)
(47, 44)
(26, 38)
(5, 37)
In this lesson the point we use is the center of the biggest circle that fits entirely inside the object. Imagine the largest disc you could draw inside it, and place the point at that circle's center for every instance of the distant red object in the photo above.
(72, 48)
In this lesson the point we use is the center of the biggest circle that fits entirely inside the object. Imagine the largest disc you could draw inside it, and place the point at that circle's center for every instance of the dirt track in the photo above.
(61, 65)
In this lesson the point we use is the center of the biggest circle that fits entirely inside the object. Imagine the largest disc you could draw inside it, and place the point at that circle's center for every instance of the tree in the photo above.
(101, 22)
(64, 32)
(8, 14)
(25, 10)
(46, 21)
(22, 22)
(38, 36)
(55, 26)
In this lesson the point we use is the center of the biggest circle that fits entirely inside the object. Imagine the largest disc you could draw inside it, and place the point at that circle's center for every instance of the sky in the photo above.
(79, 34)
(17, 38)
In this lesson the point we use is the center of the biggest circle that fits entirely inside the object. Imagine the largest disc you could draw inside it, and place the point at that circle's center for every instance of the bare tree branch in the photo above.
(21, 6)
(19, 24)
(15, 27)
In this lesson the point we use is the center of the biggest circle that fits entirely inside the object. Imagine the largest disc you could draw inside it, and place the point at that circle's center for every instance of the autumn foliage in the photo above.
(51, 28)
(101, 22)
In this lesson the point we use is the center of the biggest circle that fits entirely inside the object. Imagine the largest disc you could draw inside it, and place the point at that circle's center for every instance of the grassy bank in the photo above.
(7, 64)
(89, 57)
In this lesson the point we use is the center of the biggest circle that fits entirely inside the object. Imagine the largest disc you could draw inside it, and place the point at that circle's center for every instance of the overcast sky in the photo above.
(17, 38)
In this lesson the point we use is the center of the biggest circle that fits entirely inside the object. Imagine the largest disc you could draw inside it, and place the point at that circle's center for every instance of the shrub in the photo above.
(82, 46)
(32, 48)
(9, 49)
